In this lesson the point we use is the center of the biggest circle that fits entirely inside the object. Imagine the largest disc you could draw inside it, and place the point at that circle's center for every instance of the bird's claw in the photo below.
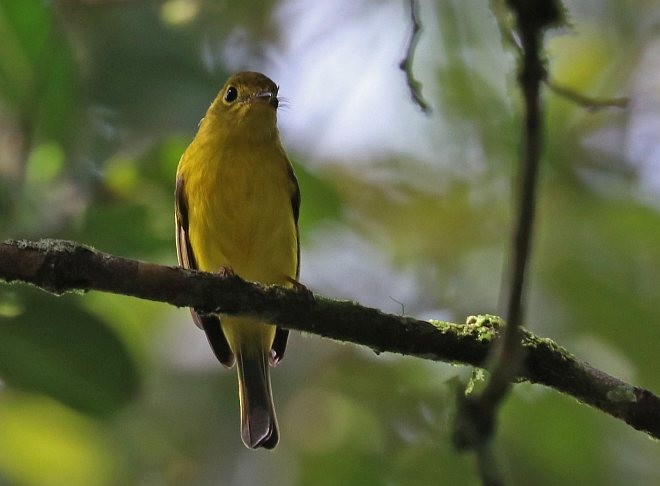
(297, 286)
(226, 272)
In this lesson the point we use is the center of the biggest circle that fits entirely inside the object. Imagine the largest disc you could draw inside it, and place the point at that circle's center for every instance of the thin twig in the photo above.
(588, 102)
(62, 266)
(591, 103)
(406, 64)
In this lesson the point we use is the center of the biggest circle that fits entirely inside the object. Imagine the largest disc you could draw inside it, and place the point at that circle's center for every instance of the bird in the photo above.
(237, 202)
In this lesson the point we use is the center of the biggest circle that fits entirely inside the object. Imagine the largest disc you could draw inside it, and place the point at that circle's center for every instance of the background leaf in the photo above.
(63, 351)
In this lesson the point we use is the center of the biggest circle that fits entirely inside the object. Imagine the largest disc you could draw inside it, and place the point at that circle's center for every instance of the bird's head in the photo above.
(248, 100)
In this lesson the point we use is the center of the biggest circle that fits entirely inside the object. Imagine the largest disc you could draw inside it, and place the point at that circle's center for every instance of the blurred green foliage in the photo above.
(98, 99)
(60, 349)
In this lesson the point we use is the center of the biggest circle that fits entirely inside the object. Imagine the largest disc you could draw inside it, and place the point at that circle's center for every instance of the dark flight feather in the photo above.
(186, 257)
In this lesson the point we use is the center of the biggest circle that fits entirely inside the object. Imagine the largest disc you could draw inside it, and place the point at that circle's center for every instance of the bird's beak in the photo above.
(268, 97)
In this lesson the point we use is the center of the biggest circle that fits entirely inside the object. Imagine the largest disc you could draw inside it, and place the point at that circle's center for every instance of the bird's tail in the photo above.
(258, 422)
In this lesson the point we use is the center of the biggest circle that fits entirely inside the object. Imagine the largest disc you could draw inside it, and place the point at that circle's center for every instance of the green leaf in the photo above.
(44, 163)
(56, 348)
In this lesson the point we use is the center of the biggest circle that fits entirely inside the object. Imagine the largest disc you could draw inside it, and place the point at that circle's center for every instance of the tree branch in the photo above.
(59, 266)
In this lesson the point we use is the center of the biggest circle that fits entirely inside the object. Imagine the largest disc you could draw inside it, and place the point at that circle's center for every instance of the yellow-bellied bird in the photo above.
(237, 202)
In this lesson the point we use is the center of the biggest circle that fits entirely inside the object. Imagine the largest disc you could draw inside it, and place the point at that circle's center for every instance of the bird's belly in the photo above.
(256, 237)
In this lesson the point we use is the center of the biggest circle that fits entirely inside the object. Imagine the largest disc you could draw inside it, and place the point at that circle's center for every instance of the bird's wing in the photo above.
(282, 335)
(186, 257)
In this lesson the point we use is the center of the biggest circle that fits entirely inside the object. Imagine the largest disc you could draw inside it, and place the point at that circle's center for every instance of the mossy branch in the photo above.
(59, 266)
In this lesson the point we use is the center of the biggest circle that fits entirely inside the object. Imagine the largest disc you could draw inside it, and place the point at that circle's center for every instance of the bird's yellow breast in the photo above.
(239, 208)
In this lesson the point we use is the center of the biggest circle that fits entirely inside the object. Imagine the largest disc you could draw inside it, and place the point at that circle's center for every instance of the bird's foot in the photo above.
(225, 272)
(299, 287)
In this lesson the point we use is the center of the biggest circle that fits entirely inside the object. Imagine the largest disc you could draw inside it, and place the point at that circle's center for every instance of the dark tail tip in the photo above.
(258, 421)
(259, 428)
(274, 438)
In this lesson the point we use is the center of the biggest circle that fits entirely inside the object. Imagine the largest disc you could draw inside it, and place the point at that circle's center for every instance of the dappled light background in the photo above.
(402, 211)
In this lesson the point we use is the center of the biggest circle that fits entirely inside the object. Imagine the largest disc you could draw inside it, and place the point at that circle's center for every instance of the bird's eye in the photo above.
(231, 94)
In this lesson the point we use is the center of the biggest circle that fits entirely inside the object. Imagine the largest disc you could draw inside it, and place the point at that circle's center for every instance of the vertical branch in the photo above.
(509, 353)
(487, 466)
(476, 415)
